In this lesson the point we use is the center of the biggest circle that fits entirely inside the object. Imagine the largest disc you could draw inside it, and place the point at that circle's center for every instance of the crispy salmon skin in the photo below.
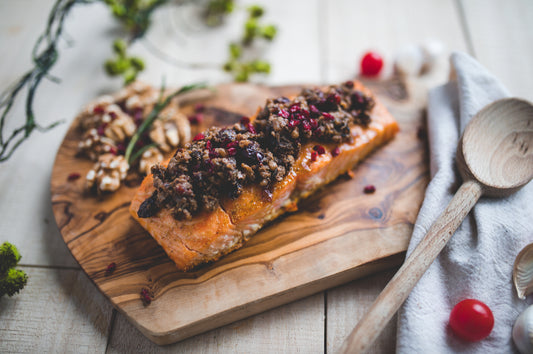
(208, 235)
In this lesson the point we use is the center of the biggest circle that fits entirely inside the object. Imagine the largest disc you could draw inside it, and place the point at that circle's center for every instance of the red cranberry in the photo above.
(199, 137)
(232, 144)
(293, 123)
(113, 150)
(334, 98)
(314, 111)
(145, 297)
(245, 120)
(110, 268)
(113, 115)
(319, 149)
(371, 64)
(314, 156)
(335, 152)
(101, 129)
(369, 189)
(213, 154)
(198, 108)
(283, 113)
(208, 145)
(121, 148)
(251, 128)
(328, 116)
(232, 151)
(294, 108)
(73, 176)
(196, 119)
(349, 84)
(305, 113)
(306, 126)
(313, 123)
(98, 110)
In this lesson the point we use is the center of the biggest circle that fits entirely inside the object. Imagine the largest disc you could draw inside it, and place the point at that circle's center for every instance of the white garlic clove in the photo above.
(523, 331)
(523, 272)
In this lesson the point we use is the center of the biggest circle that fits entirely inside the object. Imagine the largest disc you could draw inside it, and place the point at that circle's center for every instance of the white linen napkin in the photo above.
(478, 261)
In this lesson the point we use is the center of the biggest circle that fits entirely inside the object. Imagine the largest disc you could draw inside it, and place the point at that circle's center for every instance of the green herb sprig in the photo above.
(44, 57)
(253, 30)
(122, 64)
(130, 156)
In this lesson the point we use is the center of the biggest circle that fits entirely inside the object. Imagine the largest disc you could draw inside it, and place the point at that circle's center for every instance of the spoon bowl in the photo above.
(496, 148)
(495, 158)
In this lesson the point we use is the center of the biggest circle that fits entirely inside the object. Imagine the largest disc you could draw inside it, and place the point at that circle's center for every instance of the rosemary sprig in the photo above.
(152, 116)
(44, 57)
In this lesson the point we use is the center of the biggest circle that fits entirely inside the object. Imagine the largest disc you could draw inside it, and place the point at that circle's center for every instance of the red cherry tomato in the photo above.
(471, 320)
(371, 64)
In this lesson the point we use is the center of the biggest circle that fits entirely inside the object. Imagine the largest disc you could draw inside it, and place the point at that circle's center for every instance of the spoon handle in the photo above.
(399, 287)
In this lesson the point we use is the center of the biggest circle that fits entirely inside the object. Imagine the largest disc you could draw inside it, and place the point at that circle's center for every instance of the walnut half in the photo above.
(107, 174)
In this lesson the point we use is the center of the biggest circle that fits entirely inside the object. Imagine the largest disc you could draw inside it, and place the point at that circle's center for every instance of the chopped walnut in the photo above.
(149, 158)
(93, 145)
(120, 127)
(107, 173)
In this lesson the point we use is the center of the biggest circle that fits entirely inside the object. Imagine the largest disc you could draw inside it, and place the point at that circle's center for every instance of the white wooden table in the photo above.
(319, 41)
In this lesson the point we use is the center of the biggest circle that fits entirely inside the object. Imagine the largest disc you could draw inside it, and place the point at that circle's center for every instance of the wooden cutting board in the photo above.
(337, 235)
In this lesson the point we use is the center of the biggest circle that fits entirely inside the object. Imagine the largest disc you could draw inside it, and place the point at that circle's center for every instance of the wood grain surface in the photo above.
(338, 234)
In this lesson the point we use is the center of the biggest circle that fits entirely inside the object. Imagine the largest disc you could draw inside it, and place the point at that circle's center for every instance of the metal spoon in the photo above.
(495, 158)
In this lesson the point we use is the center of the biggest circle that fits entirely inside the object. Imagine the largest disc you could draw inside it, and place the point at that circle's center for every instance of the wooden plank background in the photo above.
(319, 41)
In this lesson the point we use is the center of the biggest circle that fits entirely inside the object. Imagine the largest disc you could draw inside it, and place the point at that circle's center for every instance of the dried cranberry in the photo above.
(334, 98)
(369, 189)
(328, 116)
(251, 128)
(138, 116)
(98, 110)
(335, 152)
(113, 115)
(198, 108)
(199, 137)
(314, 111)
(313, 123)
(110, 268)
(245, 120)
(294, 123)
(145, 297)
(294, 108)
(213, 154)
(349, 84)
(305, 113)
(298, 116)
(101, 129)
(319, 149)
(73, 176)
(232, 144)
(306, 126)
(196, 119)
(208, 145)
(113, 150)
(121, 148)
(283, 113)
(232, 151)
(314, 155)
(357, 99)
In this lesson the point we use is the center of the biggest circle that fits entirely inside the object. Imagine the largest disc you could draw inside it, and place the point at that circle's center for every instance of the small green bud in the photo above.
(119, 46)
(229, 66)
(259, 66)
(256, 11)
(242, 76)
(129, 76)
(235, 50)
(137, 63)
(268, 32)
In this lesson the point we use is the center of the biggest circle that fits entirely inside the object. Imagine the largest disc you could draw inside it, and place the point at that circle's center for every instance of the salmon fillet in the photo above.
(210, 235)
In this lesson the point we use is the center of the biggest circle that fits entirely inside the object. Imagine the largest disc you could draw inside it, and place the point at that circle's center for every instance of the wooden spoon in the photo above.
(495, 158)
